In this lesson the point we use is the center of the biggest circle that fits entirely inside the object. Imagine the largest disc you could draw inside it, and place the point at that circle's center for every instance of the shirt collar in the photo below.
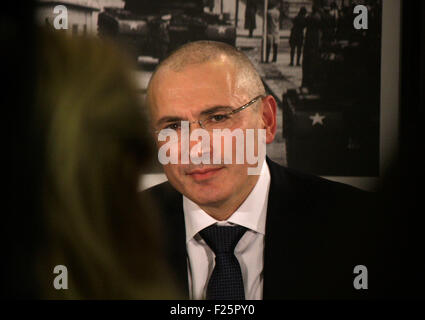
(251, 213)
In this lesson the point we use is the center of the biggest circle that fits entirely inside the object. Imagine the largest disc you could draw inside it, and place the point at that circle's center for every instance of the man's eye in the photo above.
(219, 117)
(174, 126)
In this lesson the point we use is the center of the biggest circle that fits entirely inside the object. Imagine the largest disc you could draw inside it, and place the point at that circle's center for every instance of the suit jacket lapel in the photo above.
(171, 203)
(178, 255)
(278, 223)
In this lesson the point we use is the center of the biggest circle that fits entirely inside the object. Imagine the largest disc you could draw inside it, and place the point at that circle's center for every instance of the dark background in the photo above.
(402, 193)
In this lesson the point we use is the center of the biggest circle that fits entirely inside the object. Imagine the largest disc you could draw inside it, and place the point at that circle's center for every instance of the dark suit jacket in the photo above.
(317, 231)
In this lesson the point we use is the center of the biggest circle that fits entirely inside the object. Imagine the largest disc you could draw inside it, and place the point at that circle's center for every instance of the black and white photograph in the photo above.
(323, 71)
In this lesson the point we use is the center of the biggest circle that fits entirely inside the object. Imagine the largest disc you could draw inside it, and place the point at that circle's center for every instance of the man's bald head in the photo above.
(206, 81)
(200, 52)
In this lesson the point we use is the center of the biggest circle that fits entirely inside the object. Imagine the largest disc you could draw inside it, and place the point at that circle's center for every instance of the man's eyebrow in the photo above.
(208, 111)
(216, 109)
(167, 119)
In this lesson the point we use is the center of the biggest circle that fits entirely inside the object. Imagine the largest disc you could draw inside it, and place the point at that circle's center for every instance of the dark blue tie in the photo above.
(226, 281)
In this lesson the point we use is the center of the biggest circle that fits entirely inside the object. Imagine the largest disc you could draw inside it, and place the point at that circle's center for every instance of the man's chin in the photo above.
(207, 198)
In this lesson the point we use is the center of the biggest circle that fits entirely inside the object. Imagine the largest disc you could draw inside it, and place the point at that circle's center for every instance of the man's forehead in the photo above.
(195, 88)
(210, 70)
(204, 79)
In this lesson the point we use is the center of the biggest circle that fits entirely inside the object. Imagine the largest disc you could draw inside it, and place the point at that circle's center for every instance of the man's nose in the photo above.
(196, 124)
(193, 126)
(202, 144)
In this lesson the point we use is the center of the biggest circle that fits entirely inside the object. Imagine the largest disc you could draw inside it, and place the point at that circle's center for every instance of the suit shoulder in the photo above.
(320, 184)
(301, 180)
(310, 190)
(164, 195)
(162, 189)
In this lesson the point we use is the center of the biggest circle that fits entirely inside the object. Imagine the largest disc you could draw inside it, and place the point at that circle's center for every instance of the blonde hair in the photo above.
(95, 144)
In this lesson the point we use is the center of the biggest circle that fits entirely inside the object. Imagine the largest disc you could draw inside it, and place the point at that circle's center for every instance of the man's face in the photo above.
(186, 95)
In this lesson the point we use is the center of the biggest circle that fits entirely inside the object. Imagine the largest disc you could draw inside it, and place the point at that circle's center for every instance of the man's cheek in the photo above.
(178, 173)
(170, 172)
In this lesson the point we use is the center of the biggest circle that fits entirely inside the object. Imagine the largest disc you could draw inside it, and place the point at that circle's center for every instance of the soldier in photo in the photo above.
(312, 46)
(250, 13)
(328, 29)
(284, 13)
(273, 15)
(296, 38)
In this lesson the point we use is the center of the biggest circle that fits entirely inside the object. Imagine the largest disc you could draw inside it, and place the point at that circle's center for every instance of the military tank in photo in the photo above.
(155, 28)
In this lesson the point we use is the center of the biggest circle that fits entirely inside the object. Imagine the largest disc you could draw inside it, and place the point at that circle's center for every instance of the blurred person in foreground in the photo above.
(93, 146)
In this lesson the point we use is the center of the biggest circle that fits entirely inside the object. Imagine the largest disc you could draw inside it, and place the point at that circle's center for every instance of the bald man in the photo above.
(234, 235)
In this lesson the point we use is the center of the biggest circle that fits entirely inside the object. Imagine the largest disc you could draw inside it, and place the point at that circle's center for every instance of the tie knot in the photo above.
(222, 239)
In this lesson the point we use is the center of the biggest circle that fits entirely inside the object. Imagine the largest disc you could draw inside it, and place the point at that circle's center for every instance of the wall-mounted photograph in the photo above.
(320, 59)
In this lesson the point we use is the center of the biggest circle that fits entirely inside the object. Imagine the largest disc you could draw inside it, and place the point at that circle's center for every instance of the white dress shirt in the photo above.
(249, 251)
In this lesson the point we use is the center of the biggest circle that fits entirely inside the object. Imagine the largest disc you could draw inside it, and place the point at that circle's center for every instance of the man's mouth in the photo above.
(204, 173)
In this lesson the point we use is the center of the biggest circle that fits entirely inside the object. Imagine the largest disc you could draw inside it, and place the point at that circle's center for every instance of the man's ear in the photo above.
(269, 117)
